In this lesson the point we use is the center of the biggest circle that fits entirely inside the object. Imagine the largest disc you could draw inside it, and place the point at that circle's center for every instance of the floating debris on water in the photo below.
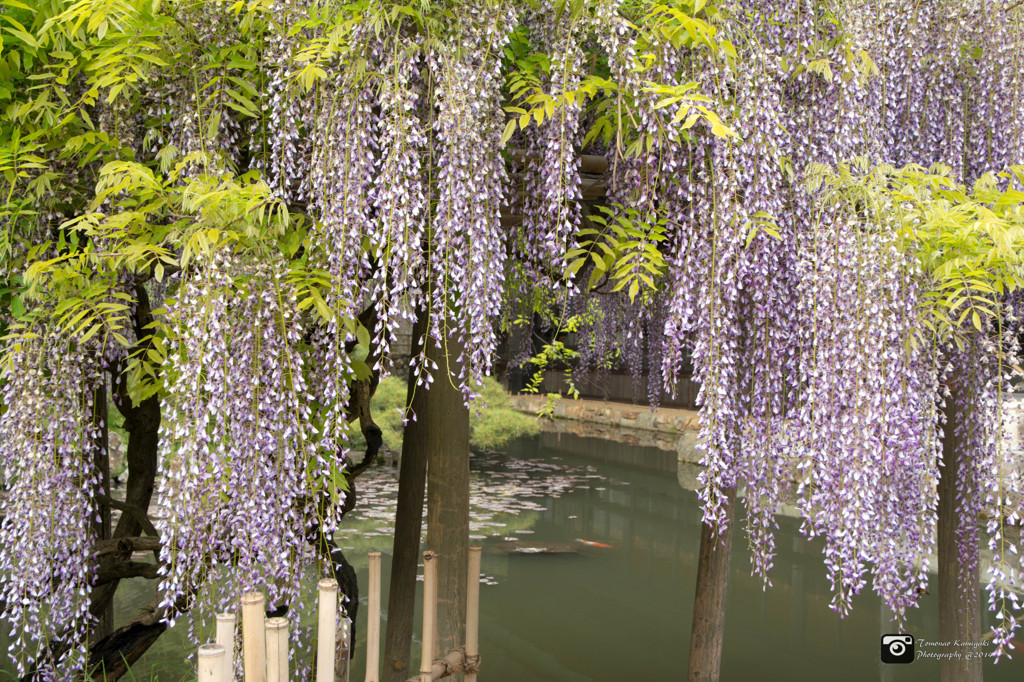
(504, 493)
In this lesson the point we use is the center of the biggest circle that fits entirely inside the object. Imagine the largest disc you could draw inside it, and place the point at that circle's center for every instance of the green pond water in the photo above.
(624, 612)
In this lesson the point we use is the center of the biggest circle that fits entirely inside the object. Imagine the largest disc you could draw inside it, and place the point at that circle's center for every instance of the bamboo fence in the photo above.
(265, 640)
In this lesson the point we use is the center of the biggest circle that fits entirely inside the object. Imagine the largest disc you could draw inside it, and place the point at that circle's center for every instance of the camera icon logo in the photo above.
(897, 648)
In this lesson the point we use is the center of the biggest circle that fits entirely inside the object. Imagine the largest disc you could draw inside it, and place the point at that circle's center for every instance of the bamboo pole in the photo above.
(429, 614)
(327, 629)
(373, 621)
(211, 663)
(277, 650)
(226, 638)
(254, 639)
(473, 614)
(343, 642)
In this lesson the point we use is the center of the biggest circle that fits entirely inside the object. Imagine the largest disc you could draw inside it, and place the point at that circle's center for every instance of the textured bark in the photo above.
(448, 500)
(412, 481)
(142, 422)
(709, 603)
(102, 525)
(111, 658)
(959, 606)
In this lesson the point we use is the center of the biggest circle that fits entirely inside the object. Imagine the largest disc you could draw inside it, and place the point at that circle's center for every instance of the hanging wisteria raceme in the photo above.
(865, 435)
(400, 197)
(343, 164)
(551, 212)
(988, 472)
(192, 116)
(1005, 483)
(248, 475)
(730, 298)
(467, 251)
(993, 93)
(47, 442)
(856, 418)
(282, 153)
(900, 535)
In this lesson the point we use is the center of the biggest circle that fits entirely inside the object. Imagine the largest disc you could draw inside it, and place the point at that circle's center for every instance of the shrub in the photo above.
(490, 427)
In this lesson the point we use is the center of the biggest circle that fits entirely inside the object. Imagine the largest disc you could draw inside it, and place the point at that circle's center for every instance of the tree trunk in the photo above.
(143, 426)
(412, 482)
(142, 422)
(101, 461)
(959, 607)
(709, 602)
(448, 501)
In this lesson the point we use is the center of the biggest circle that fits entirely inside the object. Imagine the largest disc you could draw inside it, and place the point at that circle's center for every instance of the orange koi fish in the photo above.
(592, 543)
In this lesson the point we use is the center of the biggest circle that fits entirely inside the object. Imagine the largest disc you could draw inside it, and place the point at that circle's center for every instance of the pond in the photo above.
(621, 612)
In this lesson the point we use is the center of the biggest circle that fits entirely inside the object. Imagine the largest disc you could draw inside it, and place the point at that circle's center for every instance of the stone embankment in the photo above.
(666, 428)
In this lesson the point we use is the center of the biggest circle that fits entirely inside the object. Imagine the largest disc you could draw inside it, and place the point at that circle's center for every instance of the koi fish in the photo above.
(591, 543)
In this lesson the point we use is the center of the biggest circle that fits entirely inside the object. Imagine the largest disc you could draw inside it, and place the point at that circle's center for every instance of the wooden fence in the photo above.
(265, 640)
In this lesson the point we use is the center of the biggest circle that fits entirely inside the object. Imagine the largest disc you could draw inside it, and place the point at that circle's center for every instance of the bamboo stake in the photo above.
(277, 650)
(473, 614)
(327, 629)
(341, 663)
(226, 638)
(211, 663)
(429, 614)
(254, 640)
(373, 621)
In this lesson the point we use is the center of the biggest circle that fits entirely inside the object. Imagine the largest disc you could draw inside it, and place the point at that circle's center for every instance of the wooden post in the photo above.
(211, 663)
(254, 639)
(429, 614)
(473, 614)
(709, 603)
(226, 638)
(327, 629)
(277, 650)
(373, 621)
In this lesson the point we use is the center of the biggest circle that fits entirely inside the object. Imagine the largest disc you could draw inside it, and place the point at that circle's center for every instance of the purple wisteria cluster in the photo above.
(344, 150)
(467, 249)
(191, 117)
(802, 319)
(47, 441)
(550, 204)
(244, 466)
(282, 154)
(798, 313)
(407, 185)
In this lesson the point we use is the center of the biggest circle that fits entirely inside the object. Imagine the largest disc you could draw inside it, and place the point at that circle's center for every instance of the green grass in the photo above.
(490, 427)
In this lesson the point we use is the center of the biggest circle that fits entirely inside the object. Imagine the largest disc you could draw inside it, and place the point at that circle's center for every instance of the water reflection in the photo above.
(624, 613)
